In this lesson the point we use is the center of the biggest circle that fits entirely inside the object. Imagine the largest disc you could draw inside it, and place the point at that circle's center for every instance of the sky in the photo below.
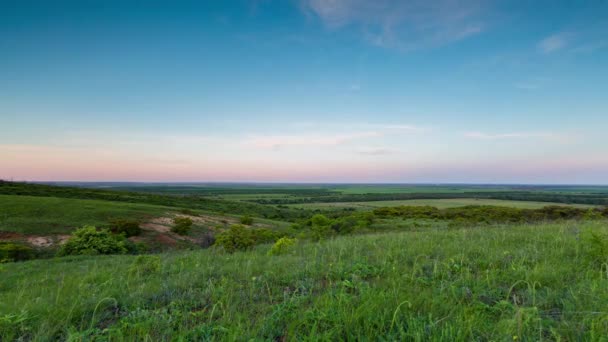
(381, 91)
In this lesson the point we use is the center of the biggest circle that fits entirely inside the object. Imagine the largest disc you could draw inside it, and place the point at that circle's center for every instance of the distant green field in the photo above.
(439, 203)
(247, 197)
(50, 215)
(410, 189)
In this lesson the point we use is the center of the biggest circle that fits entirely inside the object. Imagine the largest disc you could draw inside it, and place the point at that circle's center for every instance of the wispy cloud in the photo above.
(402, 24)
(591, 47)
(513, 135)
(329, 134)
(533, 83)
(527, 86)
(279, 141)
(554, 42)
(375, 151)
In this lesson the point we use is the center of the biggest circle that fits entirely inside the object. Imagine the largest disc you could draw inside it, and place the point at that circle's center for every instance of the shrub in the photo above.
(126, 227)
(236, 238)
(181, 225)
(15, 252)
(247, 220)
(145, 265)
(596, 247)
(282, 246)
(320, 220)
(187, 211)
(90, 241)
(264, 235)
(593, 214)
(320, 227)
(345, 225)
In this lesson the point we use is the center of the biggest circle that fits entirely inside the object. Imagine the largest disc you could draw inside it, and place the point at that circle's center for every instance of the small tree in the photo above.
(181, 225)
(235, 239)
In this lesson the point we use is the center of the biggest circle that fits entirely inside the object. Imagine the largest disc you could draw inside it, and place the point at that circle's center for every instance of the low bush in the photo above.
(145, 265)
(282, 246)
(15, 252)
(237, 238)
(126, 227)
(187, 211)
(181, 225)
(90, 241)
(596, 248)
(247, 220)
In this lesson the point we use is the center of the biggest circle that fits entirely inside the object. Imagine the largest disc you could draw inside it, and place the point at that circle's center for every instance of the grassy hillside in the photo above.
(50, 215)
(438, 203)
(526, 282)
(177, 201)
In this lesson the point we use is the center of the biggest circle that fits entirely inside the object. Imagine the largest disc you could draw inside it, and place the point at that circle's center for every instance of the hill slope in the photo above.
(498, 283)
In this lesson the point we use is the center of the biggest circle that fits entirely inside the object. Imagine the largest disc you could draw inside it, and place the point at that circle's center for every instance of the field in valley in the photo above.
(438, 203)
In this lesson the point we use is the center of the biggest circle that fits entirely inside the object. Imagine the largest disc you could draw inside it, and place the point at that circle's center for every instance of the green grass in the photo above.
(439, 203)
(410, 189)
(248, 197)
(50, 215)
(496, 283)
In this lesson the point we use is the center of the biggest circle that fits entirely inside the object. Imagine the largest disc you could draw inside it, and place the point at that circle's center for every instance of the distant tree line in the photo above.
(588, 198)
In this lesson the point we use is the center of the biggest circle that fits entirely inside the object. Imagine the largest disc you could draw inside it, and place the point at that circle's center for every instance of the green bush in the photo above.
(282, 246)
(320, 227)
(145, 265)
(345, 225)
(181, 225)
(126, 227)
(247, 220)
(237, 238)
(187, 211)
(15, 252)
(90, 241)
(596, 247)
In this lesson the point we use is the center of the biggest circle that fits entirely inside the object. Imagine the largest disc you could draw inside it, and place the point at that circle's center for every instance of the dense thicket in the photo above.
(492, 214)
(576, 198)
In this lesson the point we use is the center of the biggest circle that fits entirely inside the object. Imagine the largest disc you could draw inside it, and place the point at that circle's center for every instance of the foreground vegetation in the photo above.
(522, 282)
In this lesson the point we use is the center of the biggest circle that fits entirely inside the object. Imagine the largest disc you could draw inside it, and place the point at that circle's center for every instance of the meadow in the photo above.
(522, 282)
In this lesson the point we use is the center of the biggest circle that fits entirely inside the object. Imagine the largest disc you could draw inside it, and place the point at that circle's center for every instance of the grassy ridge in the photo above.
(178, 201)
(51, 215)
(526, 282)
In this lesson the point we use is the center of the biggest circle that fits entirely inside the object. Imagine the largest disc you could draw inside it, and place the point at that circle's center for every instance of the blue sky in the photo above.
(305, 91)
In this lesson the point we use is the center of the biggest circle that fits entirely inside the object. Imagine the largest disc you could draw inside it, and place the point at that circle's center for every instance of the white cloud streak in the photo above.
(554, 42)
(514, 135)
(402, 24)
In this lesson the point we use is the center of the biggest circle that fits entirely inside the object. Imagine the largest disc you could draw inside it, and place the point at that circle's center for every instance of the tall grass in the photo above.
(530, 282)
